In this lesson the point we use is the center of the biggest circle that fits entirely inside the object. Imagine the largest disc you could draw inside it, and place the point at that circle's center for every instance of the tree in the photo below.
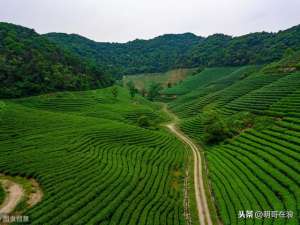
(30, 64)
(131, 88)
(154, 90)
(143, 121)
(115, 91)
(215, 128)
(288, 52)
(169, 84)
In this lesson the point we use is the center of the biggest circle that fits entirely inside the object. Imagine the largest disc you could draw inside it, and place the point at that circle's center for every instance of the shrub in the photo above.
(215, 129)
(143, 121)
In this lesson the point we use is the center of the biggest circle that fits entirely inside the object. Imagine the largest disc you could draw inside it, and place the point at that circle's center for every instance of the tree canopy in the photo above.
(182, 50)
(30, 64)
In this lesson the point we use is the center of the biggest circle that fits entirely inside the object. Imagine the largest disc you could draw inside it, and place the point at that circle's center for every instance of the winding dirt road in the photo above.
(14, 195)
(202, 206)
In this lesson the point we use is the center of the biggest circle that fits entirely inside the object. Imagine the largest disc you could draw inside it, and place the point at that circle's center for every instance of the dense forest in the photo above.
(255, 48)
(139, 56)
(30, 64)
(184, 50)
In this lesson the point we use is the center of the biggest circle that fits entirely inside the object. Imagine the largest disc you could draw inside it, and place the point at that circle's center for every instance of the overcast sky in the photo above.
(124, 20)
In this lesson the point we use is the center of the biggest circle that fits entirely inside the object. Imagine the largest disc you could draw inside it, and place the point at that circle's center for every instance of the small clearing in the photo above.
(14, 194)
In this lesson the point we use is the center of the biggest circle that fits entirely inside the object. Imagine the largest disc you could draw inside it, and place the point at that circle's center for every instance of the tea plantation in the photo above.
(92, 160)
(257, 167)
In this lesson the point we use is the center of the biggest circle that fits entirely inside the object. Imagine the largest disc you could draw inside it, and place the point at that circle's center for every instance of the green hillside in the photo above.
(172, 51)
(92, 160)
(139, 56)
(172, 77)
(248, 121)
(255, 48)
(103, 154)
(30, 64)
(198, 81)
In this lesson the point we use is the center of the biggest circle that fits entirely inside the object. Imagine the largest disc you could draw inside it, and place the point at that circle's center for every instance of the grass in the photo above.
(94, 164)
(143, 81)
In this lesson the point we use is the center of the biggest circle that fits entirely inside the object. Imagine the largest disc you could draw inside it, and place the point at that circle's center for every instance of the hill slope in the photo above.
(30, 64)
(248, 120)
(183, 51)
(140, 56)
(255, 48)
(93, 161)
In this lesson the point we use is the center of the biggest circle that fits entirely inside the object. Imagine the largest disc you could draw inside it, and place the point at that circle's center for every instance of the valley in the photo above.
(175, 130)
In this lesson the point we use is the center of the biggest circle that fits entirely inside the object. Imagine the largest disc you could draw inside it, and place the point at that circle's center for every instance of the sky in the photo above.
(125, 20)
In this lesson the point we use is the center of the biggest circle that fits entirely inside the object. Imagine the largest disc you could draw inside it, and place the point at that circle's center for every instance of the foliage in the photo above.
(132, 89)
(289, 63)
(154, 91)
(218, 128)
(248, 122)
(215, 129)
(143, 121)
(240, 121)
(115, 91)
(255, 48)
(139, 56)
(181, 51)
(30, 64)
(96, 166)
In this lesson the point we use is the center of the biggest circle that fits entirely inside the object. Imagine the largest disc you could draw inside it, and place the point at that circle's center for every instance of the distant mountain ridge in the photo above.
(155, 55)
(183, 50)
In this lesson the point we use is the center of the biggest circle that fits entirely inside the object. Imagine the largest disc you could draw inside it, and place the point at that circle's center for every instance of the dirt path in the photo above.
(14, 193)
(201, 200)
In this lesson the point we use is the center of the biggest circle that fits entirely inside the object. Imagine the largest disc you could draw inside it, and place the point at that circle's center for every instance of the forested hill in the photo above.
(30, 64)
(255, 48)
(183, 50)
(155, 55)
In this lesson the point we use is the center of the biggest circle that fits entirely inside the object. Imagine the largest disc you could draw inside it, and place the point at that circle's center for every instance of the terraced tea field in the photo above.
(97, 165)
(213, 141)
(262, 98)
(197, 82)
(94, 164)
(256, 171)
